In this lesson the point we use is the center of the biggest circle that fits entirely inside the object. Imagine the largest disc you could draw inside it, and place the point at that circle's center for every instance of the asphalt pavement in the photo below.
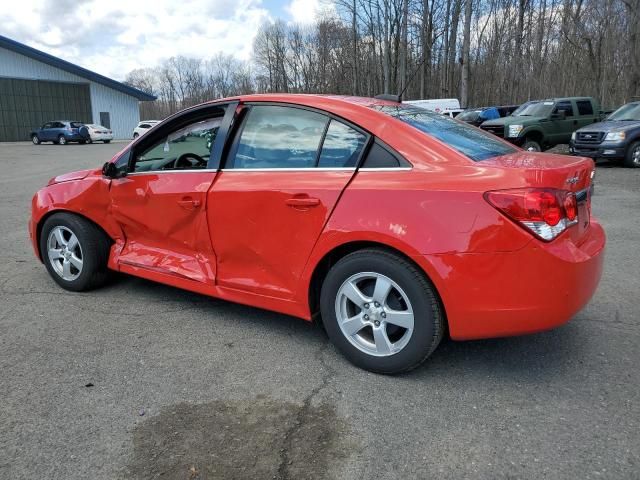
(139, 380)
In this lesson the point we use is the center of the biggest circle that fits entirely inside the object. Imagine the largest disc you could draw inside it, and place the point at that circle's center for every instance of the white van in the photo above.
(439, 105)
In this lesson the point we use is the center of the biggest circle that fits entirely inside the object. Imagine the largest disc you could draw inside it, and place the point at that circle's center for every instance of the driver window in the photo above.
(187, 148)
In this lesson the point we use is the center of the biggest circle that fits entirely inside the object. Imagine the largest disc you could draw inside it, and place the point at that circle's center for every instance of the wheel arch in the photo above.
(534, 134)
(43, 219)
(332, 256)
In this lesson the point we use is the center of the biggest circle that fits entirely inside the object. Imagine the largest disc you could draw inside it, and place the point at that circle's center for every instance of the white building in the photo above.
(36, 88)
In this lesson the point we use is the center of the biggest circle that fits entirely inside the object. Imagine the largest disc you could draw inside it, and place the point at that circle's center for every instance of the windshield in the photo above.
(468, 140)
(628, 112)
(534, 109)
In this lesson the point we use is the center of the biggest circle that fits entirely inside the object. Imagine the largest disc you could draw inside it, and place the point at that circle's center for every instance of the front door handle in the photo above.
(189, 203)
(303, 202)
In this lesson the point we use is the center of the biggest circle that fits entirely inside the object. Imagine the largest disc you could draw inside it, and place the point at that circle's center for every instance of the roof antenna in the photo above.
(410, 79)
(398, 98)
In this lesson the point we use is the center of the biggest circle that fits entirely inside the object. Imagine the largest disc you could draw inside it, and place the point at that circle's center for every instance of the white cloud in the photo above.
(115, 36)
(303, 11)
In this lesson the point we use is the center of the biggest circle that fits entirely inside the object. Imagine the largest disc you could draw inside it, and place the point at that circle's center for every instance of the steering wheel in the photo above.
(189, 160)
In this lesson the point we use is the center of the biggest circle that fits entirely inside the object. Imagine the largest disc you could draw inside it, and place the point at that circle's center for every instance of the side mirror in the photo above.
(110, 170)
(559, 115)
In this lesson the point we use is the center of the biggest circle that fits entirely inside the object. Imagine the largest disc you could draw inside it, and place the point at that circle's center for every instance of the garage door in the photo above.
(27, 104)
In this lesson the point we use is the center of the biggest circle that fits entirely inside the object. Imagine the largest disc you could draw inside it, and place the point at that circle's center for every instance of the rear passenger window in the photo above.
(341, 147)
(584, 107)
(279, 137)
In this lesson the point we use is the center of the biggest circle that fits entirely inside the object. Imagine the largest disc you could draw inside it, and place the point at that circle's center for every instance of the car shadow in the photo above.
(531, 358)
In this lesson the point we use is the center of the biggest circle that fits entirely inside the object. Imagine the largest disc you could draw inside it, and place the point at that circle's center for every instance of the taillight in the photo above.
(546, 212)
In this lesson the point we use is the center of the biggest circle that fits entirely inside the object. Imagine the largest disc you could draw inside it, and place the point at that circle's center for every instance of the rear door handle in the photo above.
(189, 203)
(304, 202)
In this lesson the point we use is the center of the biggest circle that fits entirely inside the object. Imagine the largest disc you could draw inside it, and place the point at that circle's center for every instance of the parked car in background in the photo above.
(96, 133)
(541, 124)
(408, 224)
(59, 131)
(616, 138)
(476, 116)
(143, 127)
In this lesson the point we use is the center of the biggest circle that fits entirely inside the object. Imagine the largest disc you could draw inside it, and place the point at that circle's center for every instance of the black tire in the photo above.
(429, 321)
(531, 145)
(89, 140)
(632, 158)
(35, 139)
(61, 140)
(107, 141)
(94, 244)
(82, 142)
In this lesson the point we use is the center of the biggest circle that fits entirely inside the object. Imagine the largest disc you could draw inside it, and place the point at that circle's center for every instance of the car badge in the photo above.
(572, 180)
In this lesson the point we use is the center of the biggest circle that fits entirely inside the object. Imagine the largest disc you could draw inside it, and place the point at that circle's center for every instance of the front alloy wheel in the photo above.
(75, 251)
(632, 159)
(381, 311)
(64, 253)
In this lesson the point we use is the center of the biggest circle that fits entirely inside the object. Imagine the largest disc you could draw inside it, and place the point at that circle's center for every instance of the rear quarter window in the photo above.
(470, 141)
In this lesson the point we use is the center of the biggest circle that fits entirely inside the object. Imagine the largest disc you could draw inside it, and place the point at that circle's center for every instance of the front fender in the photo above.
(88, 197)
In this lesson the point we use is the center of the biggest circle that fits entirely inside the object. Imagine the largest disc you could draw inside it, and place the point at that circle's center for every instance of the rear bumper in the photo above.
(98, 137)
(530, 290)
(603, 150)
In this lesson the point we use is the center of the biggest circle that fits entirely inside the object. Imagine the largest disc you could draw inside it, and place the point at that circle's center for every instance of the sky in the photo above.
(113, 37)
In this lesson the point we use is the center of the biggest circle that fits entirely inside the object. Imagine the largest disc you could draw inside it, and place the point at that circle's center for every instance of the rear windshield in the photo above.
(76, 124)
(470, 141)
(470, 115)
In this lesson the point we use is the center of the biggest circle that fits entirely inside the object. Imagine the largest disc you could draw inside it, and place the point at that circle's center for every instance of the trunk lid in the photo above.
(563, 172)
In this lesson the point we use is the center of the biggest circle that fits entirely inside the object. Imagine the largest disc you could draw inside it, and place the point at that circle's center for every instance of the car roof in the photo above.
(558, 99)
(397, 134)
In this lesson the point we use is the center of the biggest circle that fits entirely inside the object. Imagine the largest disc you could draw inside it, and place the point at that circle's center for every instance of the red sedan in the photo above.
(391, 223)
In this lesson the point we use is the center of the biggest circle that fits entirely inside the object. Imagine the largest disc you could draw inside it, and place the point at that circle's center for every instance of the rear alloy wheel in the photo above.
(62, 140)
(74, 251)
(35, 139)
(89, 140)
(531, 146)
(632, 159)
(381, 312)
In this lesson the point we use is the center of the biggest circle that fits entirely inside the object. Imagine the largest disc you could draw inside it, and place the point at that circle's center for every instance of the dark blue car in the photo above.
(59, 131)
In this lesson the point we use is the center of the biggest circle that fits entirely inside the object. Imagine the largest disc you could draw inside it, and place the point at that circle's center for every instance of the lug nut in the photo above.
(376, 304)
(366, 317)
(366, 305)
(377, 323)
(383, 315)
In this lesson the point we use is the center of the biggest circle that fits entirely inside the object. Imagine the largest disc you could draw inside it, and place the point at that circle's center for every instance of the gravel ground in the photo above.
(139, 380)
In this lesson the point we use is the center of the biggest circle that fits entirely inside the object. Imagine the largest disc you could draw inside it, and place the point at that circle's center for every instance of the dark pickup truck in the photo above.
(541, 124)
(616, 138)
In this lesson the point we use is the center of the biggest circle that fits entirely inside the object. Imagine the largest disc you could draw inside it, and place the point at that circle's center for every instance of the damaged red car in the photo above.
(391, 224)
